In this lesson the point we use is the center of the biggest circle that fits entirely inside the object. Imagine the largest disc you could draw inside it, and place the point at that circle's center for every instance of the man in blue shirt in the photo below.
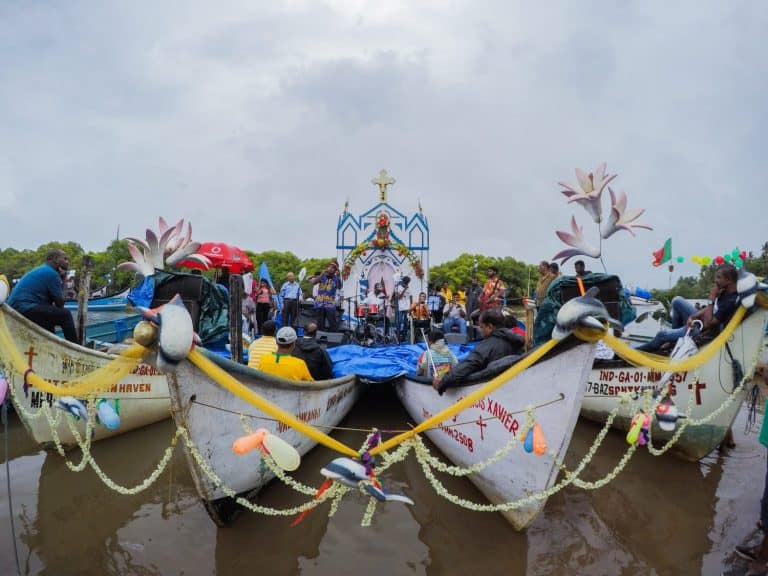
(39, 295)
(290, 296)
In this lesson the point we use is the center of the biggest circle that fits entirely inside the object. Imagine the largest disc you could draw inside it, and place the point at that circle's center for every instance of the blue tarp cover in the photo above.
(384, 362)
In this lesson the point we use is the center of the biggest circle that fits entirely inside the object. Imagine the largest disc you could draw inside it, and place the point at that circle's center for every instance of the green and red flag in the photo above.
(663, 254)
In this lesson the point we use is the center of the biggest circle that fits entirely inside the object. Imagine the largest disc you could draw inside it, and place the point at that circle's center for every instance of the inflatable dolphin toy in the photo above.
(582, 311)
(350, 473)
(747, 286)
(176, 333)
(73, 406)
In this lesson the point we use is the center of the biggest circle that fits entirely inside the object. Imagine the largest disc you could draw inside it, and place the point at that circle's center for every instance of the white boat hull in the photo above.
(211, 415)
(519, 473)
(710, 389)
(143, 394)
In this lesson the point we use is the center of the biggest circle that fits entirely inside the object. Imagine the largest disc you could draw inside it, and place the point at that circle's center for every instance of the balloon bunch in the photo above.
(534, 441)
(736, 257)
(638, 430)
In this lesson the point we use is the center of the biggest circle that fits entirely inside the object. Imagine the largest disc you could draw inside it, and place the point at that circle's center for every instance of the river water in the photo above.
(659, 516)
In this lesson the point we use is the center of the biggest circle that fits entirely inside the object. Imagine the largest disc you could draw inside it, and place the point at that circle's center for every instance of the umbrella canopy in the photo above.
(221, 255)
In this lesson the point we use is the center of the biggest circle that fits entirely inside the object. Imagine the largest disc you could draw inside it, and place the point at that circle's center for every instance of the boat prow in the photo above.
(555, 386)
(213, 418)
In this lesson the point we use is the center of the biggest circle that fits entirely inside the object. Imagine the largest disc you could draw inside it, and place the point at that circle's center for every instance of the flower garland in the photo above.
(361, 250)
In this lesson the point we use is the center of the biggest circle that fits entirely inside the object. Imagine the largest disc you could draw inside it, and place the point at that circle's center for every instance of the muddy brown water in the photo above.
(659, 516)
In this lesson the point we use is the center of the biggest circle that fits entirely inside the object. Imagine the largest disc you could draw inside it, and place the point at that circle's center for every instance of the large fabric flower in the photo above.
(580, 246)
(620, 218)
(589, 189)
(169, 248)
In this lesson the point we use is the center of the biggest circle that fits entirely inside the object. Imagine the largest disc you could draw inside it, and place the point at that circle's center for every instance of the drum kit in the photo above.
(371, 324)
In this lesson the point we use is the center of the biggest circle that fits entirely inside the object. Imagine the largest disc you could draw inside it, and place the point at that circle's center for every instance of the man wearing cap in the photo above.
(325, 302)
(281, 363)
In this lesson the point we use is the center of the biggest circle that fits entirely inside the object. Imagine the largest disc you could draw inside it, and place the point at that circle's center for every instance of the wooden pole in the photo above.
(235, 317)
(82, 298)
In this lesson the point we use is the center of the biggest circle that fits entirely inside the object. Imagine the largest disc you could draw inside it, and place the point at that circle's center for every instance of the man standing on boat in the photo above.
(545, 279)
(497, 342)
(325, 302)
(39, 295)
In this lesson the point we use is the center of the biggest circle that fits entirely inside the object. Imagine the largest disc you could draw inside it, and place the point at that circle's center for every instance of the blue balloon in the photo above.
(107, 415)
(528, 444)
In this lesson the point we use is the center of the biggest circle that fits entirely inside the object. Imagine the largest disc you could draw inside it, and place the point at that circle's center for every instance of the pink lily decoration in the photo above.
(589, 189)
(580, 246)
(620, 218)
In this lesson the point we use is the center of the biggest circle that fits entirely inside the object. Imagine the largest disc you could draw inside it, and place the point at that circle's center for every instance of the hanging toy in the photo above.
(284, 455)
(644, 436)
(539, 442)
(73, 406)
(107, 415)
(351, 472)
(667, 416)
(634, 428)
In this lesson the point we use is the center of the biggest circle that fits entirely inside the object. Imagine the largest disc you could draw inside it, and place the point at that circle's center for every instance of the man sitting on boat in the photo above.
(264, 345)
(724, 300)
(39, 295)
(438, 359)
(316, 357)
(497, 342)
(281, 363)
(454, 315)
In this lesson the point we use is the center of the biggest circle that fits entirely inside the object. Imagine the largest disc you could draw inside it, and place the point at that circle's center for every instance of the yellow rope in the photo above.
(481, 392)
(97, 381)
(229, 382)
(662, 363)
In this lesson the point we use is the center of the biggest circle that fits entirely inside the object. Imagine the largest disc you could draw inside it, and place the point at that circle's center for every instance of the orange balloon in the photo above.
(539, 442)
(245, 444)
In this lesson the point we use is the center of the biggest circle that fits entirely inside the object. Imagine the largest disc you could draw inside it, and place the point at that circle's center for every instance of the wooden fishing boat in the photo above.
(212, 417)
(710, 386)
(555, 383)
(141, 397)
(111, 331)
(114, 303)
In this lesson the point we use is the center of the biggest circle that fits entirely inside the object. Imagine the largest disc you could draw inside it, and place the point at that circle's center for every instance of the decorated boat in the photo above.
(714, 391)
(555, 385)
(137, 397)
(213, 417)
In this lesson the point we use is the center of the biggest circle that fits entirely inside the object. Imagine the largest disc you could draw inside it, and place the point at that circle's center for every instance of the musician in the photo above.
(377, 304)
(404, 303)
(420, 315)
(325, 302)
(492, 295)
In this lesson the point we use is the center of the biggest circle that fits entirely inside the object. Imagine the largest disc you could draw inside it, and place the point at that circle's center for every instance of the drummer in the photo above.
(376, 302)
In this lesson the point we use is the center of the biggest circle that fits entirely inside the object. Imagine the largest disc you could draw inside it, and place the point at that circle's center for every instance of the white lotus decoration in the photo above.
(620, 218)
(170, 247)
(580, 247)
(589, 190)
(588, 194)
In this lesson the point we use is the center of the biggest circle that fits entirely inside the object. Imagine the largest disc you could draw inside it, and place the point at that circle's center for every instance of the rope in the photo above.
(8, 482)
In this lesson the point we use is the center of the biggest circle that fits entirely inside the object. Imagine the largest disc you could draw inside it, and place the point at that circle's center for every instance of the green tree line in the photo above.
(520, 277)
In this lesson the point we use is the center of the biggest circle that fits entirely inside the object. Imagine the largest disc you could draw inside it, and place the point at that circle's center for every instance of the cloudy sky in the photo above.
(256, 121)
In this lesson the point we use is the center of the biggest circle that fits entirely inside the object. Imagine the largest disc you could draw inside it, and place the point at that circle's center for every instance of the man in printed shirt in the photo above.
(325, 302)
(281, 363)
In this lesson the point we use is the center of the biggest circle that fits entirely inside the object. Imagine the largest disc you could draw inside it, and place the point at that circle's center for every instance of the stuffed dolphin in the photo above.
(177, 334)
(747, 287)
(582, 311)
(5, 289)
(351, 473)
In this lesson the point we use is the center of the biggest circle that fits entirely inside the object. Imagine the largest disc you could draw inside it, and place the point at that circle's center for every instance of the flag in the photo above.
(264, 274)
(663, 254)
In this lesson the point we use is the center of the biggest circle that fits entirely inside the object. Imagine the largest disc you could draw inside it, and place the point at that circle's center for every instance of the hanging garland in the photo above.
(361, 250)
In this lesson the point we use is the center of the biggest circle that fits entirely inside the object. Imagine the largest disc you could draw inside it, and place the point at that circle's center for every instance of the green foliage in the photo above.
(518, 276)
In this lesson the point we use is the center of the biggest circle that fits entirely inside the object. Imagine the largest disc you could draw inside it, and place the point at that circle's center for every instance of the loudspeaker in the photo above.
(454, 338)
(329, 338)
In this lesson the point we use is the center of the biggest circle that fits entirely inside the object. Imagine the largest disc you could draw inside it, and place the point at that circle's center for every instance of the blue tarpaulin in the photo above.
(384, 362)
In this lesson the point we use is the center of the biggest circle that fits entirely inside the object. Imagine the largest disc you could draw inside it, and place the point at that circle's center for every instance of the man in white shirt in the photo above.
(404, 302)
(454, 315)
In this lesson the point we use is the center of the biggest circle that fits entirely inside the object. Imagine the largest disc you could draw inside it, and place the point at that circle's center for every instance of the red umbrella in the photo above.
(222, 255)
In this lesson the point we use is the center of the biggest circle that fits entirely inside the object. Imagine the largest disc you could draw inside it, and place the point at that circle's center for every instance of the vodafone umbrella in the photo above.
(222, 255)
